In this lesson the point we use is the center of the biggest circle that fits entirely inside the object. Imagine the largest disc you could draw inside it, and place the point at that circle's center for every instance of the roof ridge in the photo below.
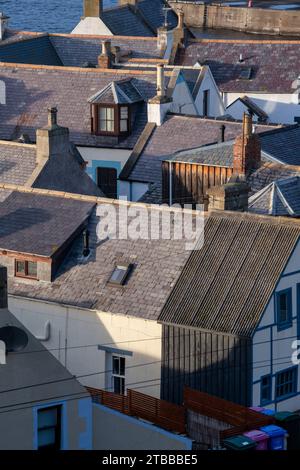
(261, 218)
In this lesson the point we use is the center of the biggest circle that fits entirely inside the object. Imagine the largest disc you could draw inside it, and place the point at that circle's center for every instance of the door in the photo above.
(107, 179)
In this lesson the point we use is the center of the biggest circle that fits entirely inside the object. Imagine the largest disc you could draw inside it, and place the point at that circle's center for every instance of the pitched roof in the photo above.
(177, 133)
(17, 162)
(274, 65)
(37, 50)
(123, 21)
(251, 106)
(34, 89)
(280, 198)
(76, 50)
(33, 375)
(63, 172)
(39, 225)
(282, 144)
(214, 155)
(226, 285)
(156, 266)
(118, 92)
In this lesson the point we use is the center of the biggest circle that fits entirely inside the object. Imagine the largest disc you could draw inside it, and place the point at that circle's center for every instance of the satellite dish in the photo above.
(14, 338)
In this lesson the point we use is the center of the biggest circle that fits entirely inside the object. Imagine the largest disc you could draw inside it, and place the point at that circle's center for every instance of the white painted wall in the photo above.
(76, 334)
(92, 26)
(281, 108)
(183, 102)
(270, 343)
(216, 106)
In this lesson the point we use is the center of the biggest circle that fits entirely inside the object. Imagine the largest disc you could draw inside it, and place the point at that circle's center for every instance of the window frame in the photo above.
(265, 401)
(283, 325)
(58, 428)
(121, 377)
(294, 371)
(95, 109)
(98, 171)
(127, 268)
(25, 275)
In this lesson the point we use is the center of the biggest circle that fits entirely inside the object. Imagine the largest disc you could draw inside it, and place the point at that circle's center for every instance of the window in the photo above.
(266, 389)
(206, 102)
(49, 428)
(106, 118)
(286, 383)
(297, 119)
(26, 269)
(284, 309)
(245, 73)
(118, 374)
(110, 119)
(120, 274)
(107, 180)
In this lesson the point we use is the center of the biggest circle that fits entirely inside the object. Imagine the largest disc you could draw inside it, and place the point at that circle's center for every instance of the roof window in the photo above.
(120, 274)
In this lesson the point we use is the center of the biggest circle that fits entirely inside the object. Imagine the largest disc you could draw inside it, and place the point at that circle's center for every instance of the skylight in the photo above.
(245, 73)
(120, 274)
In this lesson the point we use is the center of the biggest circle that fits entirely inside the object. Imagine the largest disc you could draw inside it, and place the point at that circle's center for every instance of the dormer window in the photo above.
(110, 119)
(112, 108)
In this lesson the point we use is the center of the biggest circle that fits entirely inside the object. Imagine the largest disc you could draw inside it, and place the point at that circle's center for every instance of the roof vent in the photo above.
(14, 338)
(24, 139)
(241, 59)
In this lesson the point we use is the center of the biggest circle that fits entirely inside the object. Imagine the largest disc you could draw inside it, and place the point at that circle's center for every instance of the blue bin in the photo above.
(268, 412)
(276, 436)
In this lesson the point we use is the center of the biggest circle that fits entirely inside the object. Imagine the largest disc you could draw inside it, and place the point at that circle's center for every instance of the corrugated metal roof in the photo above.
(226, 285)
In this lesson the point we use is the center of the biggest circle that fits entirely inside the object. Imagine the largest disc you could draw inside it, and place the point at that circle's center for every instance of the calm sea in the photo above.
(41, 15)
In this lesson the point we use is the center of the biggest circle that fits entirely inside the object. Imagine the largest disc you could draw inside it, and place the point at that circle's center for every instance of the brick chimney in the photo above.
(52, 140)
(3, 24)
(246, 149)
(232, 196)
(3, 287)
(104, 59)
(92, 8)
(160, 104)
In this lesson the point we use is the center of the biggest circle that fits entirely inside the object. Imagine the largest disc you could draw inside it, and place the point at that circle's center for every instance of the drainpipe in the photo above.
(170, 184)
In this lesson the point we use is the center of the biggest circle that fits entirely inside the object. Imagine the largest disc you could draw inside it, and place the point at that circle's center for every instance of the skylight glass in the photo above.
(119, 275)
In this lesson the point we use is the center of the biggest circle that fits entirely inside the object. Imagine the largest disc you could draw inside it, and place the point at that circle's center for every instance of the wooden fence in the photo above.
(159, 412)
(240, 418)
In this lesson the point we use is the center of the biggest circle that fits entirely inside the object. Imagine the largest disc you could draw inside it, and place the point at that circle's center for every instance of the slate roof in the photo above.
(177, 133)
(17, 162)
(157, 264)
(226, 284)
(30, 91)
(283, 144)
(274, 65)
(37, 50)
(270, 172)
(280, 198)
(119, 92)
(123, 21)
(39, 224)
(75, 51)
(33, 375)
(214, 155)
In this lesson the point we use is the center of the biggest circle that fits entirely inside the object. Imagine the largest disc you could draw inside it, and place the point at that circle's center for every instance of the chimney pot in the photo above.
(246, 149)
(160, 80)
(52, 117)
(222, 133)
(104, 59)
(3, 287)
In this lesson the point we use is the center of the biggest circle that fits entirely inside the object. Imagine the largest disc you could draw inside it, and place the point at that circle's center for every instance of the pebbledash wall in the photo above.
(84, 341)
(255, 20)
(272, 346)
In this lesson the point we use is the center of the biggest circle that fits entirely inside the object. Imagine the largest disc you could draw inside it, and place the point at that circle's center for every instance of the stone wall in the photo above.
(254, 20)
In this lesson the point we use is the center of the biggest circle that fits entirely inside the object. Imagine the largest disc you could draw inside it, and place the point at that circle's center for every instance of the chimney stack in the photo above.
(3, 287)
(3, 24)
(159, 105)
(52, 140)
(246, 149)
(232, 196)
(104, 59)
(92, 8)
